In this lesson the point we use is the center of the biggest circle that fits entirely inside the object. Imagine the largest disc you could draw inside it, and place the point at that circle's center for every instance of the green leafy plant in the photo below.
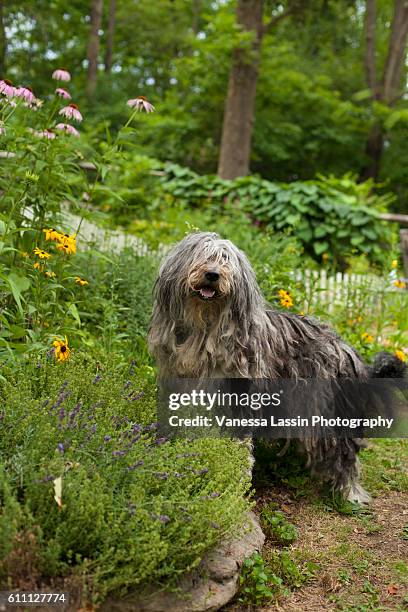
(257, 584)
(278, 527)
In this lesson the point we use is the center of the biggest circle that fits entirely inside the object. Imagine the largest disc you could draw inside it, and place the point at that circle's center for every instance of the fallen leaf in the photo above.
(392, 589)
(58, 491)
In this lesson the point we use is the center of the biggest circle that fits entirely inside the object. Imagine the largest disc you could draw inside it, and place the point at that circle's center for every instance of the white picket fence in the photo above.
(343, 289)
(322, 289)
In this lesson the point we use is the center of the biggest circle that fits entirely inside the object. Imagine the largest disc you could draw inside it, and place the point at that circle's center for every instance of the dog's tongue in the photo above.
(207, 292)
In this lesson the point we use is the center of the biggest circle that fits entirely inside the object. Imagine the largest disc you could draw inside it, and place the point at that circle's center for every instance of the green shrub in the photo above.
(135, 508)
(333, 217)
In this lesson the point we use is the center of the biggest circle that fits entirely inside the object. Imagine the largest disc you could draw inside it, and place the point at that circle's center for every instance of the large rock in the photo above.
(209, 588)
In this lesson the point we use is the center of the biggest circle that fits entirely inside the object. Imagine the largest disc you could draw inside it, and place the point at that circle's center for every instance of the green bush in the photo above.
(135, 508)
(331, 217)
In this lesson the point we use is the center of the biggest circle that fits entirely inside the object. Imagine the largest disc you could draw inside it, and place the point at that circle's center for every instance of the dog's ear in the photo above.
(246, 295)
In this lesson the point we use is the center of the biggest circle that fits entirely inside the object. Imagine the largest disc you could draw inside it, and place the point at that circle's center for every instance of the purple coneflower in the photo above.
(25, 93)
(69, 129)
(63, 93)
(61, 75)
(7, 88)
(140, 104)
(71, 112)
(45, 134)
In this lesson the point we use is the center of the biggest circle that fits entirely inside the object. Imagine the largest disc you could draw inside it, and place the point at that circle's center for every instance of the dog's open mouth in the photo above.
(206, 293)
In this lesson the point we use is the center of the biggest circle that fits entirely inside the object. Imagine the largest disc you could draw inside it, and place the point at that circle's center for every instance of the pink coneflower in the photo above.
(25, 93)
(49, 134)
(71, 112)
(69, 129)
(61, 75)
(140, 104)
(6, 88)
(63, 93)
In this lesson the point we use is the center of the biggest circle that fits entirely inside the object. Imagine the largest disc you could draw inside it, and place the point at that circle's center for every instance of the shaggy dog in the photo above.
(210, 320)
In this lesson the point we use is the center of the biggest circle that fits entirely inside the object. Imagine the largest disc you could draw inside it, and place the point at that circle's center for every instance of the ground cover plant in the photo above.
(90, 493)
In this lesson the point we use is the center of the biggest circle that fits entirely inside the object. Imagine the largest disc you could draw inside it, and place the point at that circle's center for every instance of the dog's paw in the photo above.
(357, 494)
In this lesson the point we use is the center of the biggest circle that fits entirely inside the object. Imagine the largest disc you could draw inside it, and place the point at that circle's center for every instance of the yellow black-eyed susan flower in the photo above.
(52, 234)
(401, 355)
(285, 298)
(67, 244)
(366, 337)
(61, 349)
(81, 281)
(41, 254)
(400, 284)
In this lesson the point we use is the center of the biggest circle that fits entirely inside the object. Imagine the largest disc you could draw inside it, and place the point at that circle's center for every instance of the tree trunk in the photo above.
(387, 91)
(3, 42)
(240, 103)
(110, 36)
(396, 52)
(370, 18)
(93, 46)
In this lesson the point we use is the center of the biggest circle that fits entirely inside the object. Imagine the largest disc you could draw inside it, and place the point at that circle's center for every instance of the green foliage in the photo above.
(278, 527)
(266, 579)
(330, 217)
(257, 584)
(119, 299)
(135, 507)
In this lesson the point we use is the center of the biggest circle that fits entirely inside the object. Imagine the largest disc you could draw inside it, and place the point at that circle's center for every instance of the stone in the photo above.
(207, 589)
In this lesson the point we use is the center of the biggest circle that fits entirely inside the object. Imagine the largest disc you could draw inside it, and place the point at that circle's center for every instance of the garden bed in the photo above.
(89, 491)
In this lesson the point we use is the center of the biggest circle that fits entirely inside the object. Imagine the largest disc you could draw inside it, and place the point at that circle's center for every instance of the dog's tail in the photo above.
(387, 365)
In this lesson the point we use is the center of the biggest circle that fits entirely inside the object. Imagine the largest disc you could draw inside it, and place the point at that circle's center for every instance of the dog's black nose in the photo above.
(212, 276)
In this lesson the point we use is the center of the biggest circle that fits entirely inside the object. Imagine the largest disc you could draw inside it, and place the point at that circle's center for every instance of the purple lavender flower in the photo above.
(60, 447)
(163, 518)
(135, 465)
(161, 475)
(160, 441)
(201, 472)
(107, 438)
(97, 378)
(127, 385)
(132, 367)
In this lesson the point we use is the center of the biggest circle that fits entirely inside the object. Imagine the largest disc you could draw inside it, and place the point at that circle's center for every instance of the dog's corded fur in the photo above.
(210, 320)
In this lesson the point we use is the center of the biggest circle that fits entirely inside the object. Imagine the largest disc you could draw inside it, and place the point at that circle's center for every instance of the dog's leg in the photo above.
(335, 460)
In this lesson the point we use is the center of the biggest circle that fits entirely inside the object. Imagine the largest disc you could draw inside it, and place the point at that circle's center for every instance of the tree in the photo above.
(93, 47)
(110, 35)
(235, 149)
(388, 89)
(3, 41)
